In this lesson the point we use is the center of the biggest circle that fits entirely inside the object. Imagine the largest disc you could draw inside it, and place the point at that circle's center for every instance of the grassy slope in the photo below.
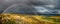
(28, 19)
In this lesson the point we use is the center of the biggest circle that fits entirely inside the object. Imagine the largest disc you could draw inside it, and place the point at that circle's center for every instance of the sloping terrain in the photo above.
(29, 19)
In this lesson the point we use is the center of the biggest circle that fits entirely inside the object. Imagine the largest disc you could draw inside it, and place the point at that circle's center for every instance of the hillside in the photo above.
(29, 19)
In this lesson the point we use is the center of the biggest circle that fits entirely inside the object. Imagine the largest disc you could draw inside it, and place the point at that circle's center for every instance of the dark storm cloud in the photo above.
(4, 4)
(14, 6)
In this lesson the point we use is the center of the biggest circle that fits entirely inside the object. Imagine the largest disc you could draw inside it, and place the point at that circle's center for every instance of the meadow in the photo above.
(29, 19)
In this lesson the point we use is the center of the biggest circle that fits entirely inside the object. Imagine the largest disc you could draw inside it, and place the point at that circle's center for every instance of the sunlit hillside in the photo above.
(29, 19)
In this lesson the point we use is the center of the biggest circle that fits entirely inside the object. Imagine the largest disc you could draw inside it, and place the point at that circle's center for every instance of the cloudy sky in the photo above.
(45, 9)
